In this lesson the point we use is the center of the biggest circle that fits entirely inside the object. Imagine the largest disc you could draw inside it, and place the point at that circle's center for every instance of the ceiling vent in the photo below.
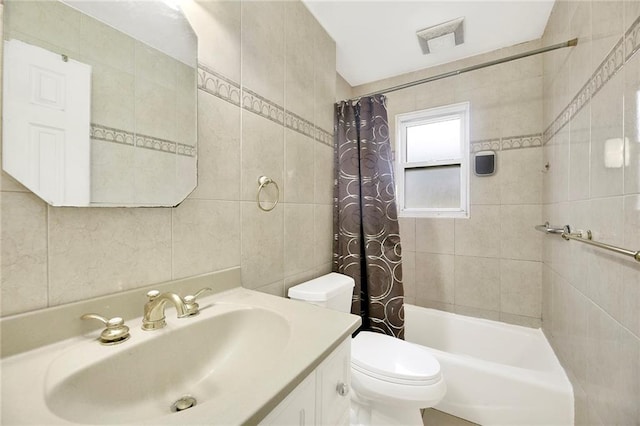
(442, 36)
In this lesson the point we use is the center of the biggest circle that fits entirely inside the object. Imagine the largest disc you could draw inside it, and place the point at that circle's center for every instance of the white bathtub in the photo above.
(496, 373)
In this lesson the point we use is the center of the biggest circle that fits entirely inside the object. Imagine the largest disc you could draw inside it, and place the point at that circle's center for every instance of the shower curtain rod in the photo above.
(569, 43)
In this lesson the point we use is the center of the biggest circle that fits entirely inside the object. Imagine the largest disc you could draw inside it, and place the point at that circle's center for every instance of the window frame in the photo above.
(426, 116)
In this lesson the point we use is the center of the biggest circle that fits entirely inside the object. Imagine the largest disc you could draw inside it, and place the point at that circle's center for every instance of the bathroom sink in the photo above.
(238, 359)
(142, 378)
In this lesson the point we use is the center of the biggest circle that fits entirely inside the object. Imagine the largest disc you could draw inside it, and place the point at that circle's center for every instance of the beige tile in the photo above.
(95, 251)
(112, 97)
(299, 34)
(631, 13)
(612, 378)
(155, 110)
(485, 189)
(579, 59)
(24, 252)
(521, 176)
(556, 179)
(445, 307)
(521, 107)
(435, 94)
(477, 236)
(579, 151)
(186, 104)
(186, 177)
(485, 112)
(263, 49)
(154, 177)
(324, 174)
(409, 276)
(477, 312)
(520, 288)
(632, 125)
(262, 246)
(343, 89)
(434, 277)
(607, 152)
(218, 149)
(155, 66)
(104, 44)
(520, 320)
(519, 239)
(206, 237)
(323, 231)
(262, 154)
(53, 22)
(607, 20)
(217, 25)
(325, 82)
(275, 289)
(435, 235)
(298, 246)
(606, 269)
(407, 233)
(630, 316)
(299, 160)
(112, 173)
(477, 282)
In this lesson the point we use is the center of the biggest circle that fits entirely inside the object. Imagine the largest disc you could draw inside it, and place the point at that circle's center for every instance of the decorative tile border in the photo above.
(623, 50)
(124, 137)
(224, 88)
(485, 145)
(526, 141)
(507, 143)
(110, 134)
(255, 103)
(218, 85)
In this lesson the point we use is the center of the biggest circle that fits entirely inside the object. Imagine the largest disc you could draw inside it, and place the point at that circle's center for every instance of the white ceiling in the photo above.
(377, 39)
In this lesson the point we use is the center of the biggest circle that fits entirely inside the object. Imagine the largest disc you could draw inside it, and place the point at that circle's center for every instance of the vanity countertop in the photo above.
(247, 378)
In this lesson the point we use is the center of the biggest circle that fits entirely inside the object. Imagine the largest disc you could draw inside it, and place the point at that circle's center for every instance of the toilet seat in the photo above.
(393, 360)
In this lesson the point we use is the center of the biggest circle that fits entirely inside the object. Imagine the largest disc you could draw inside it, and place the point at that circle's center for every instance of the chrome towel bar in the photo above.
(585, 237)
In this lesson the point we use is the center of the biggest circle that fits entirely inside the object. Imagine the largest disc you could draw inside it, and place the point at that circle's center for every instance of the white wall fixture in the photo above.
(46, 103)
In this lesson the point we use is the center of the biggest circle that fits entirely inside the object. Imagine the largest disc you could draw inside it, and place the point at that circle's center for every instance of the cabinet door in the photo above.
(298, 408)
(334, 387)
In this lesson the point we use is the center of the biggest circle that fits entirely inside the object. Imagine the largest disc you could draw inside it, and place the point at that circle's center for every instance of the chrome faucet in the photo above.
(154, 317)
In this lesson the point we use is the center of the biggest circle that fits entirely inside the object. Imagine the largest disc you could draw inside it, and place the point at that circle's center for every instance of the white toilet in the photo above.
(391, 379)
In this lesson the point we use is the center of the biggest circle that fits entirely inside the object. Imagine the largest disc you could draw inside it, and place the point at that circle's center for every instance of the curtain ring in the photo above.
(263, 181)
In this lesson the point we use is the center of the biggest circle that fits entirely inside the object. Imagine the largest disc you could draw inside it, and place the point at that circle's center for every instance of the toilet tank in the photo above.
(333, 291)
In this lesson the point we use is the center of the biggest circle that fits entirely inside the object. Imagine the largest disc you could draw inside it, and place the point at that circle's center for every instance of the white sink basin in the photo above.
(141, 378)
(238, 358)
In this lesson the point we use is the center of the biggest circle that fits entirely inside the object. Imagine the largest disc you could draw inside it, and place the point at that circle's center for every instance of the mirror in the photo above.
(99, 101)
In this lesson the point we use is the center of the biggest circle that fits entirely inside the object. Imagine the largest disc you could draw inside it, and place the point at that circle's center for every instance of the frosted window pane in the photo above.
(434, 141)
(432, 187)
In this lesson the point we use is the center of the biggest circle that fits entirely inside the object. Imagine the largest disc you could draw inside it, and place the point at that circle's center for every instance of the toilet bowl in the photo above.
(391, 380)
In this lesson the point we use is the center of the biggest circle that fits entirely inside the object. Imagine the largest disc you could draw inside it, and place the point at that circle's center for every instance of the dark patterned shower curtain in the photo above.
(366, 239)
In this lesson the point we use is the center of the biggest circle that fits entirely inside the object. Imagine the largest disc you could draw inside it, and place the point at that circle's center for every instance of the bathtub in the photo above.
(496, 373)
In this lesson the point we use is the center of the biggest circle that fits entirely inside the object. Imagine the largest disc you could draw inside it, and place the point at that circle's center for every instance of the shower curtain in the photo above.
(366, 242)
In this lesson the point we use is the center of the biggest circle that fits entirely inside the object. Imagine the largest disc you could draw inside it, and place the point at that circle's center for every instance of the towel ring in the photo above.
(263, 181)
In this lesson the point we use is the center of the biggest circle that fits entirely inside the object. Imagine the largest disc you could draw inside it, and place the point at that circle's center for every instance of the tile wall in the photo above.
(591, 298)
(490, 264)
(267, 86)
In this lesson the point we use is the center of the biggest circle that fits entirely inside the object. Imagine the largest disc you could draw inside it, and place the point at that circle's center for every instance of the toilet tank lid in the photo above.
(322, 288)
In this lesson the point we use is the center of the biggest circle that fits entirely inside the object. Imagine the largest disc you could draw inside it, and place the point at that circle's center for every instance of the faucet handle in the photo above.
(191, 306)
(115, 331)
(152, 294)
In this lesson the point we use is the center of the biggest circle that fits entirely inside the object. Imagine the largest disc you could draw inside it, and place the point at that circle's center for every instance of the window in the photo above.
(432, 155)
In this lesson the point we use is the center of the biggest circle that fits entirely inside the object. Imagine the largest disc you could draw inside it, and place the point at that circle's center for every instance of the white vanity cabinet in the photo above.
(322, 398)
